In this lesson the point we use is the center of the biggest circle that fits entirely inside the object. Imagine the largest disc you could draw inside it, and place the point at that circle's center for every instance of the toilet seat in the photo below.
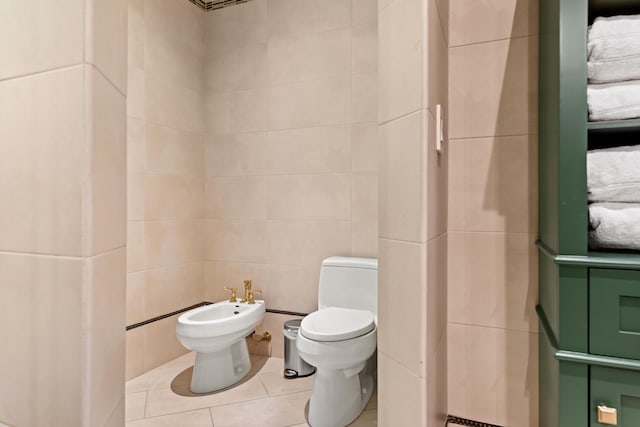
(336, 324)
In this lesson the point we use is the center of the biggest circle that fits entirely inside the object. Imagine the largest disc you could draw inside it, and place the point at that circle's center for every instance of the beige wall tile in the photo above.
(437, 296)
(400, 53)
(236, 154)
(169, 196)
(493, 88)
(364, 97)
(41, 167)
(243, 67)
(237, 26)
(136, 257)
(293, 288)
(307, 242)
(480, 21)
(136, 88)
(136, 296)
(437, 409)
(236, 197)
(161, 345)
(444, 16)
(309, 57)
(174, 151)
(312, 103)
(107, 342)
(136, 150)
(437, 67)
(135, 403)
(310, 150)
(401, 395)
(314, 197)
(172, 104)
(280, 410)
(233, 112)
(117, 417)
(42, 38)
(499, 384)
(364, 57)
(173, 288)
(135, 33)
(437, 182)
(493, 184)
(364, 197)
(364, 147)
(402, 295)
(198, 418)
(236, 240)
(173, 242)
(364, 239)
(288, 18)
(107, 47)
(402, 179)
(178, 55)
(364, 12)
(108, 163)
(135, 195)
(493, 280)
(42, 288)
(218, 274)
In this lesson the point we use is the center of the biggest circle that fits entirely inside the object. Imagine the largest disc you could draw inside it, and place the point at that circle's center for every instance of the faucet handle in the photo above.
(234, 294)
(250, 299)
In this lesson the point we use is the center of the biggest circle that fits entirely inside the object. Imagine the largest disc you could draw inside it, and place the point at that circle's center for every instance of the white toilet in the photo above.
(340, 340)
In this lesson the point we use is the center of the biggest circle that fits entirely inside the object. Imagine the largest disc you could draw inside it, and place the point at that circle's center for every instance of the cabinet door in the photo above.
(618, 389)
(614, 313)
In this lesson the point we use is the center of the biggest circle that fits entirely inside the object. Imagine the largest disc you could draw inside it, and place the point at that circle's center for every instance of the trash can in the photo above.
(294, 366)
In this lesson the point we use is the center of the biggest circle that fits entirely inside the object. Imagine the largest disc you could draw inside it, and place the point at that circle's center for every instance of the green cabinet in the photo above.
(589, 305)
(618, 389)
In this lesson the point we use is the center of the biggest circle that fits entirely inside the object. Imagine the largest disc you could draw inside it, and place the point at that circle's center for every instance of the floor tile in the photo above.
(272, 412)
(134, 405)
(162, 376)
(167, 401)
(200, 418)
(366, 419)
(277, 385)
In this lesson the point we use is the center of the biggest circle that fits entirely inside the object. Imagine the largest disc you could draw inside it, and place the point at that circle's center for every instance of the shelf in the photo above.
(619, 260)
(612, 7)
(614, 126)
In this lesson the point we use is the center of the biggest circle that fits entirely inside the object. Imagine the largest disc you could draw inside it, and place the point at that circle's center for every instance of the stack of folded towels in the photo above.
(614, 195)
(613, 50)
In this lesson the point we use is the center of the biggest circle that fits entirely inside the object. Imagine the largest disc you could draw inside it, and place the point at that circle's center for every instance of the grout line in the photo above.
(494, 40)
(460, 139)
(402, 116)
(537, 332)
(36, 73)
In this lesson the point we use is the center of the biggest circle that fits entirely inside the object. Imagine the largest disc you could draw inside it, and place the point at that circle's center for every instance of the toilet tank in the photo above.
(349, 283)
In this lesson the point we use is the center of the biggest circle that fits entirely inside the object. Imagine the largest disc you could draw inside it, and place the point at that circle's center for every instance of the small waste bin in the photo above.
(294, 366)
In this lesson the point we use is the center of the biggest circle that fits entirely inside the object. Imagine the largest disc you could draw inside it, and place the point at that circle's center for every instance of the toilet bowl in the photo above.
(340, 341)
(217, 332)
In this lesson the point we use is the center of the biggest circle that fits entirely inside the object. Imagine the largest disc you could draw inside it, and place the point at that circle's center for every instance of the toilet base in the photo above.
(336, 400)
(220, 369)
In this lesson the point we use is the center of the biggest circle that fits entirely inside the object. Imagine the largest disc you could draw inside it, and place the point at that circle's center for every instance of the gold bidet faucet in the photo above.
(247, 291)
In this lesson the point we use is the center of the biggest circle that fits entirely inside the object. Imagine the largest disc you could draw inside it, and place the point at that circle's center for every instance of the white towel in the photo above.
(613, 49)
(613, 174)
(614, 226)
(614, 101)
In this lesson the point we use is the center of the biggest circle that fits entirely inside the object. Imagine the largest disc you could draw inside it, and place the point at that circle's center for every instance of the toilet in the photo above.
(340, 340)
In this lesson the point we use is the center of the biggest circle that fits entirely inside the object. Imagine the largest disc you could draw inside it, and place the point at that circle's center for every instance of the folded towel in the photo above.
(614, 226)
(614, 101)
(613, 174)
(613, 49)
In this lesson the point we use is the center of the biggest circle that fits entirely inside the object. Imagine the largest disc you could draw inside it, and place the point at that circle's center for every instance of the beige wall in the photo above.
(493, 332)
(291, 169)
(165, 135)
(412, 288)
(62, 220)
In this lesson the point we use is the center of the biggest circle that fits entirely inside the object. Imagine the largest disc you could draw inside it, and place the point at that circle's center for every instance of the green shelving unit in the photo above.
(589, 342)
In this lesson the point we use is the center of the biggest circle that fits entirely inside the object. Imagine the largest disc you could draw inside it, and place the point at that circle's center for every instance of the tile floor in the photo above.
(161, 398)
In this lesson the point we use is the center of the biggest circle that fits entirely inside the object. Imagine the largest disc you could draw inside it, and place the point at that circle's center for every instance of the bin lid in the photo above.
(292, 325)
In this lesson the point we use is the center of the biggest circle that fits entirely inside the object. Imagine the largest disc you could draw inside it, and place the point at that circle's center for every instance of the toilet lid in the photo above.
(336, 324)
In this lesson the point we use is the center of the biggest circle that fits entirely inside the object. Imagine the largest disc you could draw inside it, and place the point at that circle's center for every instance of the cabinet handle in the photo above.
(607, 415)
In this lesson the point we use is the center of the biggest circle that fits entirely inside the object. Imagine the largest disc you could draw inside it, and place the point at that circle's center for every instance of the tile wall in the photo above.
(291, 153)
(493, 285)
(165, 168)
(412, 288)
(62, 220)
